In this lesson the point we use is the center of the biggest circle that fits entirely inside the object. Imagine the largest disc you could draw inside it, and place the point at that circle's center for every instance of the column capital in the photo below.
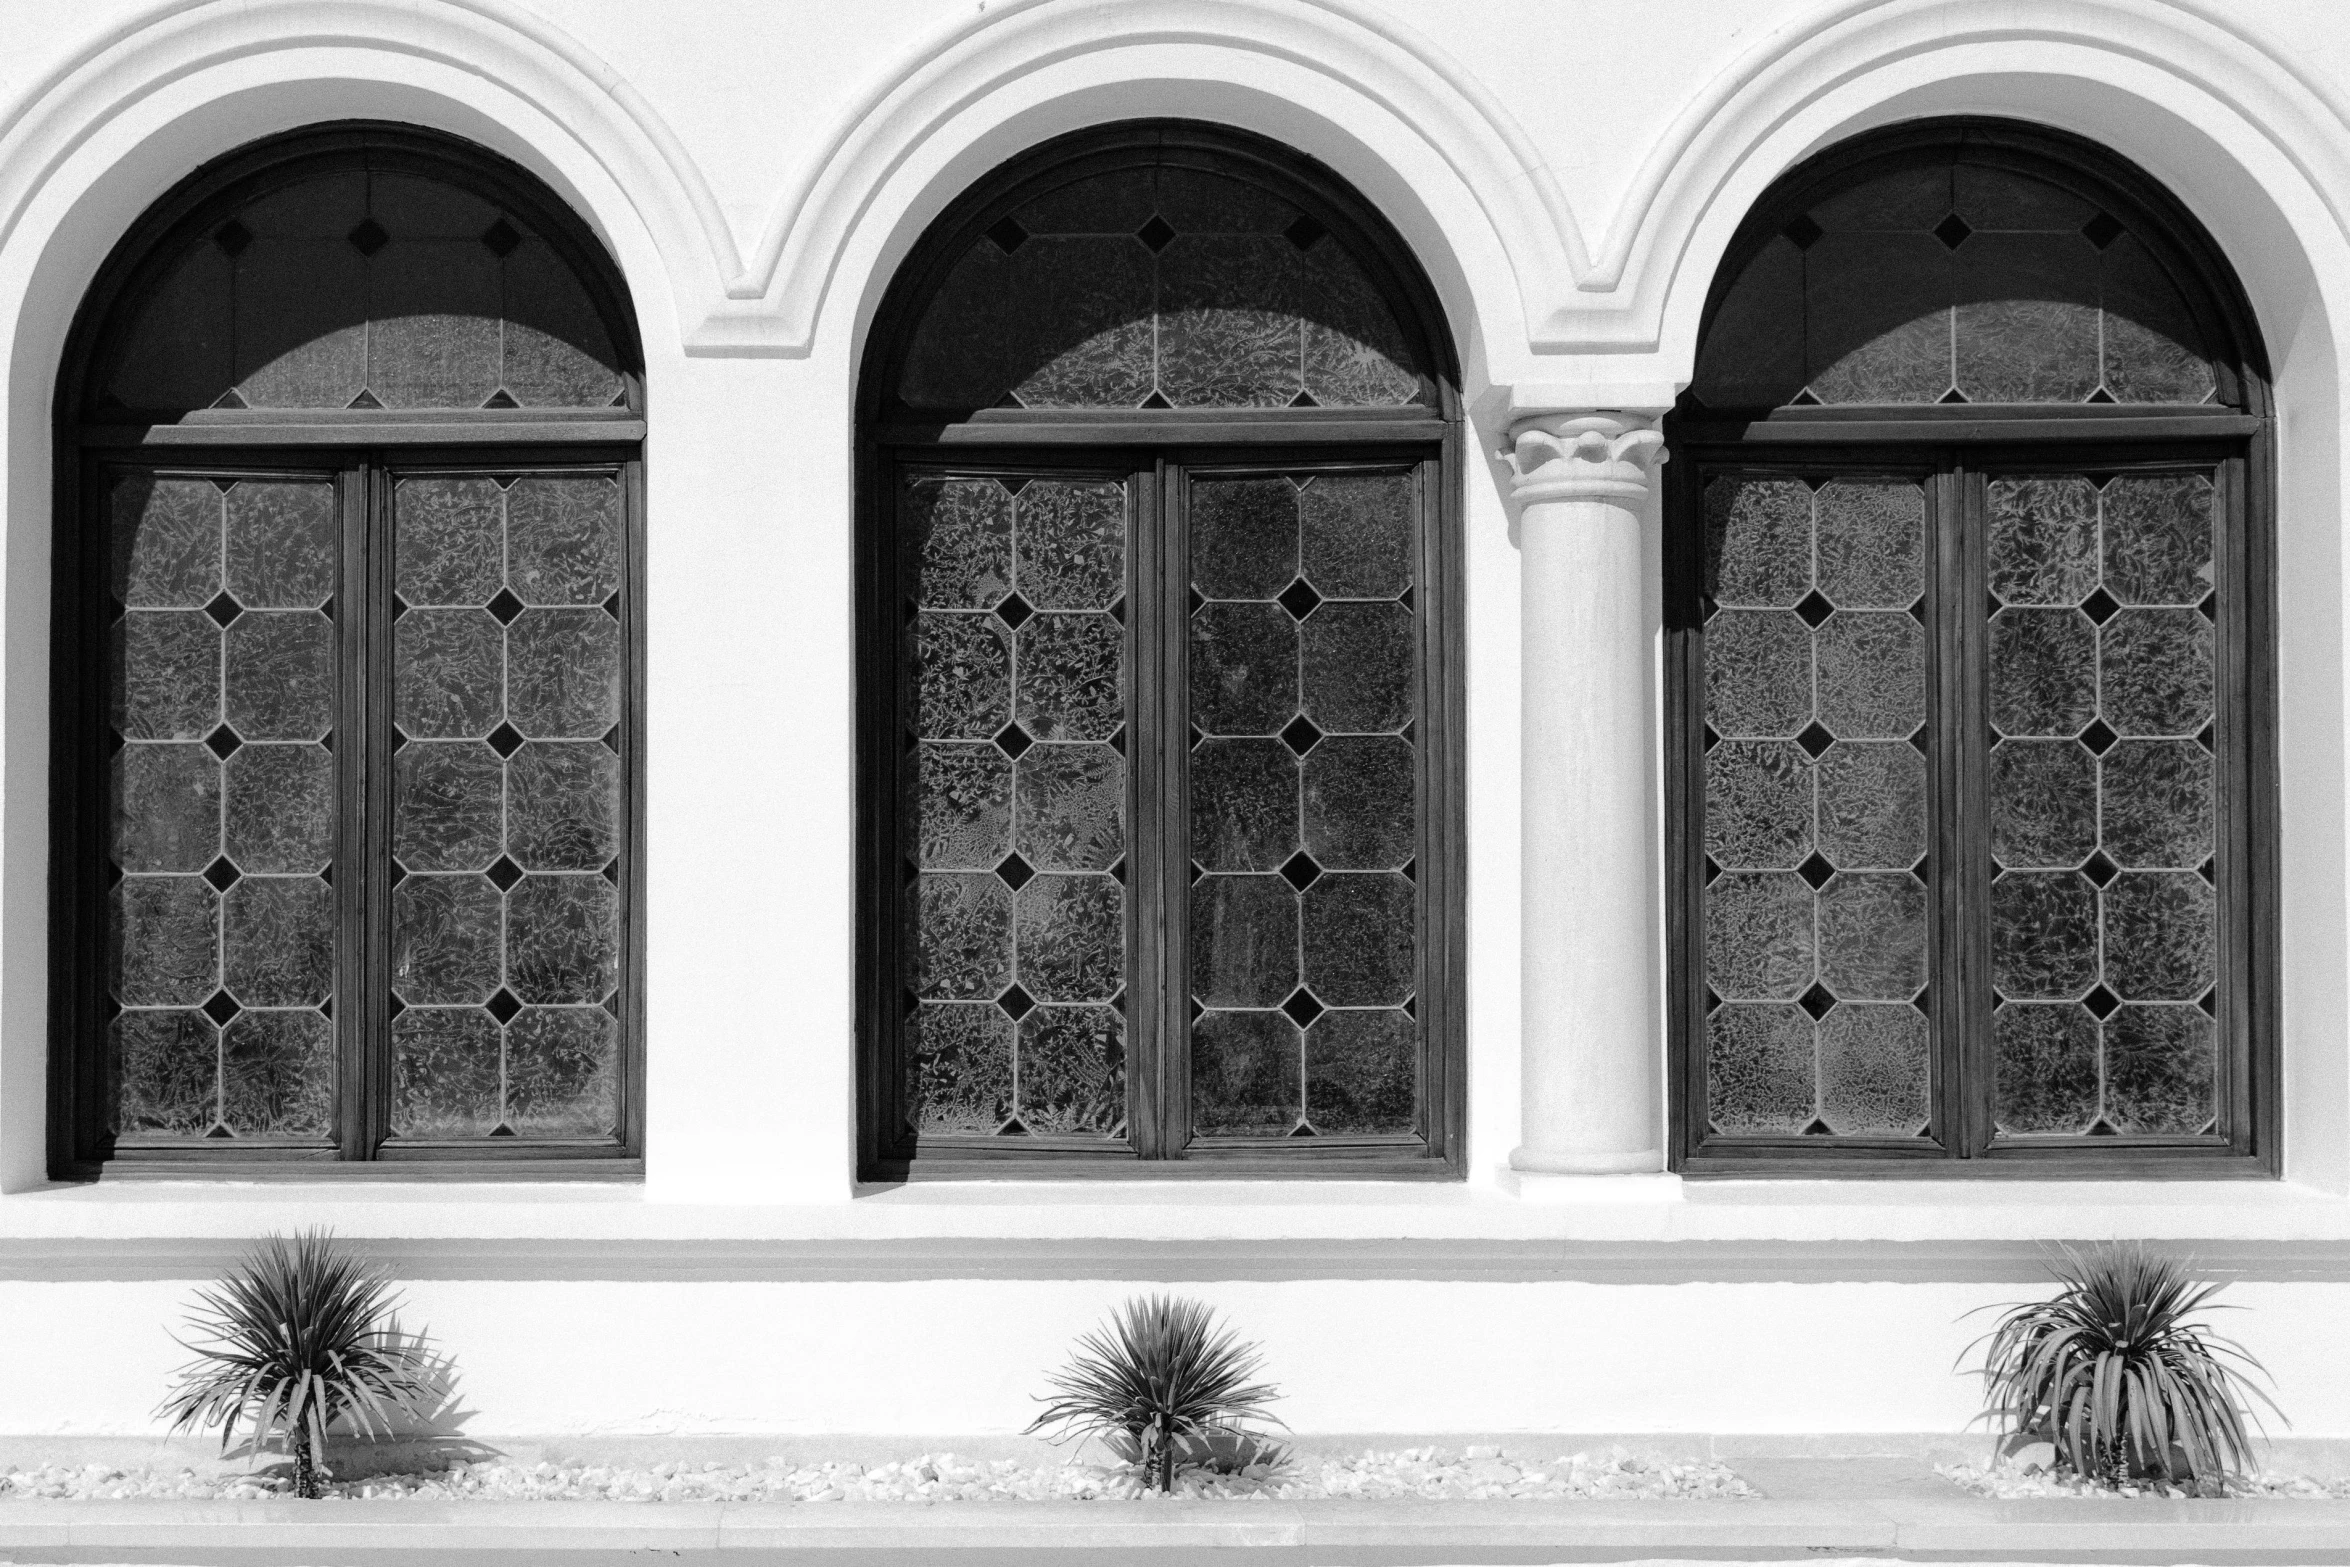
(1592, 456)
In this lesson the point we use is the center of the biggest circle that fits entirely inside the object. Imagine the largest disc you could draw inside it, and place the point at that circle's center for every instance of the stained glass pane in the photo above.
(2104, 933)
(1305, 820)
(1013, 819)
(507, 823)
(221, 928)
(1952, 281)
(1817, 888)
(348, 289)
(1160, 287)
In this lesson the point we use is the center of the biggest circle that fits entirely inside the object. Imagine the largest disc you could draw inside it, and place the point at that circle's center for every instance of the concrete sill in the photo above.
(1947, 1527)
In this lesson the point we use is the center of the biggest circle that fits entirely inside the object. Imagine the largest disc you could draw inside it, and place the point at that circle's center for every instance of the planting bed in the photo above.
(1423, 1473)
(2011, 1482)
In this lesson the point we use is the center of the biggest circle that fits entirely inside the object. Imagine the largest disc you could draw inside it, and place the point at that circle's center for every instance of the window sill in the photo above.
(1568, 1220)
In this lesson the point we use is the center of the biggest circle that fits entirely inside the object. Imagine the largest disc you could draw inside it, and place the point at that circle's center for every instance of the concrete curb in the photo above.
(1079, 1534)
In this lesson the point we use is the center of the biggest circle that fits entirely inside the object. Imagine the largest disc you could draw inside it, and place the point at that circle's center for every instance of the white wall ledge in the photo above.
(1641, 1211)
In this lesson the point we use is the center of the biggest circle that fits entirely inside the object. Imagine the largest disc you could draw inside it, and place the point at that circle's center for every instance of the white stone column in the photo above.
(1592, 1054)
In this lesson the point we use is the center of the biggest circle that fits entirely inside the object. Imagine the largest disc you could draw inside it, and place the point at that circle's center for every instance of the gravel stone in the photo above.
(1433, 1473)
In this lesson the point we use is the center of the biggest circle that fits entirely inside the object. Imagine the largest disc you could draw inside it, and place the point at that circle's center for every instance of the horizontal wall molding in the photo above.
(642, 1260)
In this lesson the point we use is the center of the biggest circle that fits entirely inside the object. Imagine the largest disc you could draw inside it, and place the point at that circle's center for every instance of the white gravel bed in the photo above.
(2007, 1482)
(1440, 1474)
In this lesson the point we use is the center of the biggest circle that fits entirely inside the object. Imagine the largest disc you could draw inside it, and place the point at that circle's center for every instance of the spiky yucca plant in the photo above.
(1163, 1372)
(301, 1336)
(2114, 1375)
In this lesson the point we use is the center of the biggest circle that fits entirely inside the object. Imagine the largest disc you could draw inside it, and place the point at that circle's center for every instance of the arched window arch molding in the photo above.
(1335, 78)
(2264, 140)
(1622, 285)
(1465, 270)
(766, 296)
(119, 123)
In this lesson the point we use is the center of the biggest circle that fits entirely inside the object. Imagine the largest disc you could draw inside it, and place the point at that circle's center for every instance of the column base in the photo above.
(1538, 1162)
(1539, 1186)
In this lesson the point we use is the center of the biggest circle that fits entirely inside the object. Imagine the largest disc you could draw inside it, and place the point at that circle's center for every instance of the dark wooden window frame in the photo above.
(1950, 448)
(362, 450)
(1152, 450)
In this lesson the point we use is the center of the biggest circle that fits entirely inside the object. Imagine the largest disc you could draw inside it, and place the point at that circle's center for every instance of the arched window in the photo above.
(1160, 617)
(345, 712)
(1969, 596)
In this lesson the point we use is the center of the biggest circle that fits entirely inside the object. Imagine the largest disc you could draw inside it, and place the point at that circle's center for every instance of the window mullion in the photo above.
(1963, 823)
(1163, 712)
(1146, 987)
(360, 817)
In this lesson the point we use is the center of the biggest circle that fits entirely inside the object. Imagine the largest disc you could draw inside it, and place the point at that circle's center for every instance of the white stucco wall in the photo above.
(757, 167)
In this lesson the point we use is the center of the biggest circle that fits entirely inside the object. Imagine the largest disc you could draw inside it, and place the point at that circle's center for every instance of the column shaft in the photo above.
(1591, 1048)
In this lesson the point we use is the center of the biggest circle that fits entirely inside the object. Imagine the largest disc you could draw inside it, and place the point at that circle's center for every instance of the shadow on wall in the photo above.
(1182, 289)
(360, 289)
(1953, 282)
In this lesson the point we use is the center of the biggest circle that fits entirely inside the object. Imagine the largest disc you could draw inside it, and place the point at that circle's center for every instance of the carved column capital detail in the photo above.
(1583, 457)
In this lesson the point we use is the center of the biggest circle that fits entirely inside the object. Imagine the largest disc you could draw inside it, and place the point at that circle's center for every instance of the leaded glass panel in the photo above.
(1304, 825)
(1954, 281)
(2095, 623)
(1160, 287)
(221, 921)
(507, 805)
(1817, 882)
(1013, 822)
(2104, 908)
